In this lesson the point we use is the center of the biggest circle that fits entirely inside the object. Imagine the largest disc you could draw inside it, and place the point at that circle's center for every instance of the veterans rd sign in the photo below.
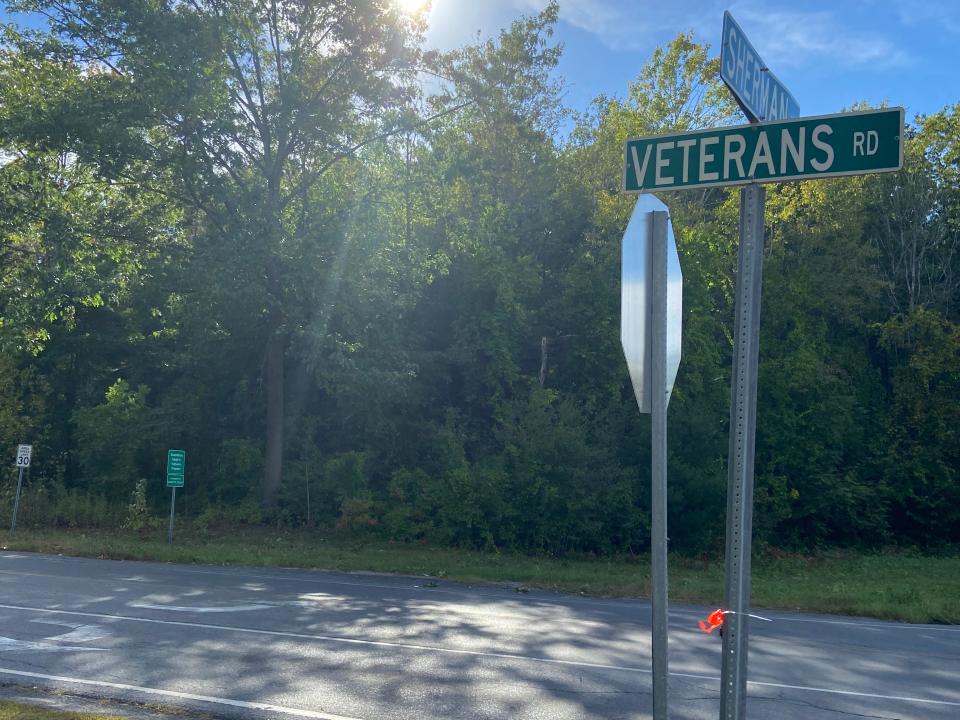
(760, 94)
(807, 148)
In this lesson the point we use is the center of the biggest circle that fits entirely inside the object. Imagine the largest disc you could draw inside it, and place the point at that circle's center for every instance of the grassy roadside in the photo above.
(891, 586)
(19, 711)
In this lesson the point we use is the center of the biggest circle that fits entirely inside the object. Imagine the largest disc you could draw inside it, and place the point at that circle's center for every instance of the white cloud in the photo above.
(784, 37)
(788, 38)
(933, 14)
(638, 24)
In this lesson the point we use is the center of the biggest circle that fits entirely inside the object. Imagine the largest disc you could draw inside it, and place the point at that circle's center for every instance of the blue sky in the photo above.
(830, 54)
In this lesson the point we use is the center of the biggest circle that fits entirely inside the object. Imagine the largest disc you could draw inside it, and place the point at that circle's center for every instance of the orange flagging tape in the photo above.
(714, 621)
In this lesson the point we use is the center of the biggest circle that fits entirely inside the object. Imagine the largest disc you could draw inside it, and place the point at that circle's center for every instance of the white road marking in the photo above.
(865, 624)
(193, 609)
(472, 653)
(638, 604)
(12, 644)
(79, 632)
(850, 693)
(327, 638)
(181, 695)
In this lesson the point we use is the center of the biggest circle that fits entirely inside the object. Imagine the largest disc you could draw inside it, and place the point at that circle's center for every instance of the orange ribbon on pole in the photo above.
(714, 621)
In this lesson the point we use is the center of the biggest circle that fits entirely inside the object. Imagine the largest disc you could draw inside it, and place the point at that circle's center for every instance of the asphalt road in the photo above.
(271, 643)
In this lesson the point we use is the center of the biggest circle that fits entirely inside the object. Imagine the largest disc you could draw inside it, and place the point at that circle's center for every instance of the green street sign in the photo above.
(806, 148)
(176, 462)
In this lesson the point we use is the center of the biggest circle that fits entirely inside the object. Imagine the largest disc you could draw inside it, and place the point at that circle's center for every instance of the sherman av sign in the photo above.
(761, 95)
(802, 149)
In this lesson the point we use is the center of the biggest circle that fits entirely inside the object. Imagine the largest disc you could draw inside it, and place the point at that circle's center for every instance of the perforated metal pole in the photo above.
(657, 232)
(743, 421)
(173, 499)
(16, 502)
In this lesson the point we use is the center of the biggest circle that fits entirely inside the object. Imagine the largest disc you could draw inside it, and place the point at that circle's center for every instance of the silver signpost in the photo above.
(651, 304)
(761, 97)
(176, 465)
(657, 222)
(24, 452)
(773, 148)
(743, 423)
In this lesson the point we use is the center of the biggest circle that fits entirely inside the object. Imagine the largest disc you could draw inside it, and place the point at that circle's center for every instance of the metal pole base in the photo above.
(743, 422)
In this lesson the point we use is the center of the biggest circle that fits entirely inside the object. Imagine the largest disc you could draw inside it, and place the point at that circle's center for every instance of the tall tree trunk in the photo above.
(274, 386)
(276, 340)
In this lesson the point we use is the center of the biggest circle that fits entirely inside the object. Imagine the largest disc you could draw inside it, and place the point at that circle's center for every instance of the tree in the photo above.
(916, 219)
(236, 109)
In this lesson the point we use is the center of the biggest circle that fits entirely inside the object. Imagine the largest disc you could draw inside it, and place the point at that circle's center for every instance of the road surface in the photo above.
(271, 643)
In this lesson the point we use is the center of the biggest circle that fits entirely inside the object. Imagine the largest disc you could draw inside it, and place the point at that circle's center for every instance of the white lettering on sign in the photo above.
(796, 151)
(705, 158)
(730, 155)
(638, 168)
(23, 455)
(758, 90)
(659, 178)
(686, 145)
(870, 138)
(762, 154)
(829, 145)
(822, 165)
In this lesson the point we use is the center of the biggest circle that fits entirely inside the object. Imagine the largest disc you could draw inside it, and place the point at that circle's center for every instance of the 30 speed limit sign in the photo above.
(23, 455)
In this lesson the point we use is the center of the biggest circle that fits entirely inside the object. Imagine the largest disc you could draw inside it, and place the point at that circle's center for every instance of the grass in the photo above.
(19, 711)
(892, 586)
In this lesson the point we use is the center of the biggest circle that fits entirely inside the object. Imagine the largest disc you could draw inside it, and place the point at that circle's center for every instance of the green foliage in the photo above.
(24, 399)
(111, 438)
(216, 517)
(237, 477)
(138, 515)
(419, 309)
(51, 505)
(923, 452)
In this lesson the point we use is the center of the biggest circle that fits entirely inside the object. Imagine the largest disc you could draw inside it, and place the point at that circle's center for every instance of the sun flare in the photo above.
(413, 7)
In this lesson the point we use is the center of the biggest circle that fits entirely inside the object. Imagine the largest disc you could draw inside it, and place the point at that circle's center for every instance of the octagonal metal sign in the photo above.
(637, 307)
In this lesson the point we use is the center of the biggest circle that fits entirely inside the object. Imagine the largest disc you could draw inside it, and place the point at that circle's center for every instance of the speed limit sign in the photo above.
(23, 455)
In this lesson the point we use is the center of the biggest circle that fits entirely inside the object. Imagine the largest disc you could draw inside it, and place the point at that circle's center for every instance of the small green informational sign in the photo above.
(807, 148)
(176, 461)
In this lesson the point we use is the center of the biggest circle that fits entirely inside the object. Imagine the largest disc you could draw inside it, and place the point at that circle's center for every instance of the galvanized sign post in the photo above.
(651, 305)
(777, 146)
(657, 224)
(24, 452)
(761, 97)
(176, 463)
(743, 424)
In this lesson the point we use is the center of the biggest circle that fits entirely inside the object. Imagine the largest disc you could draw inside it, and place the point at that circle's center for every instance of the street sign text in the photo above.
(176, 462)
(802, 149)
(760, 94)
(23, 455)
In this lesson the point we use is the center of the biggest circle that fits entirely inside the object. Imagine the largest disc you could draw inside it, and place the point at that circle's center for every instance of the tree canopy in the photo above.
(375, 290)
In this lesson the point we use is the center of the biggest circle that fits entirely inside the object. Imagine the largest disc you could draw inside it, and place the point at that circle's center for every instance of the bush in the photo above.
(238, 475)
(226, 516)
(53, 505)
(110, 436)
(138, 516)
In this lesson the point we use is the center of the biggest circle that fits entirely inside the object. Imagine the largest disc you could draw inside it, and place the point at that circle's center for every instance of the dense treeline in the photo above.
(368, 289)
